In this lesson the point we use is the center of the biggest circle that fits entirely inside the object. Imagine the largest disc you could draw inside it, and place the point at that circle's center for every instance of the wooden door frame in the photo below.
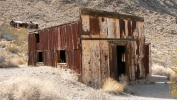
(119, 43)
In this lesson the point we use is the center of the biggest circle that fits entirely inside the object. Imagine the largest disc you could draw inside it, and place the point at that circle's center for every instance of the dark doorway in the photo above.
(121, 60)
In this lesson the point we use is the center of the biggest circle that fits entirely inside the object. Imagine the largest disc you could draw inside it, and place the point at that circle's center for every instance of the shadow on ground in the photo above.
(158, 90)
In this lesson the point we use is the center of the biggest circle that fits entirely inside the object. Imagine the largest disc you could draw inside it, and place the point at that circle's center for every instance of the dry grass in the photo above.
(5, 60)
(112, 86)
(27, 88)
(14, 40)
(160, 70)
(10, 60)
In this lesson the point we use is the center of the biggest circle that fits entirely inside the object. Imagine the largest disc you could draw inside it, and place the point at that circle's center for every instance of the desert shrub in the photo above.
(160, 70)
(112, 86)
(173, 82)
(6, 60)
(18, 40)
(27, 88)
(8, 33)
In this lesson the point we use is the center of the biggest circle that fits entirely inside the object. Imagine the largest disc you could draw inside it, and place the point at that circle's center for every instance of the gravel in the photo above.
(67, 85)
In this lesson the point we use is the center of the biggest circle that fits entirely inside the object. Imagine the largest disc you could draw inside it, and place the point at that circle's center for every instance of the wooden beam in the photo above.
(93, 12)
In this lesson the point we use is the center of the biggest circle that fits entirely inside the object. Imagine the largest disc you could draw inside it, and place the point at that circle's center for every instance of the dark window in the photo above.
(37, 38)
(39, 57)
(61, 56)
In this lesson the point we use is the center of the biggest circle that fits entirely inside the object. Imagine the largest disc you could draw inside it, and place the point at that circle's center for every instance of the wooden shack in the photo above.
(99, 45)
(23, 24)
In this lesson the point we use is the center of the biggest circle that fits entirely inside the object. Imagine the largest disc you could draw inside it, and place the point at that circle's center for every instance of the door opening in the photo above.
(121, 60)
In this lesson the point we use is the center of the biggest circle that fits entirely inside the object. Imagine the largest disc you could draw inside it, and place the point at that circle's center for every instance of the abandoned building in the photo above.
(99, 45)
(22, 24)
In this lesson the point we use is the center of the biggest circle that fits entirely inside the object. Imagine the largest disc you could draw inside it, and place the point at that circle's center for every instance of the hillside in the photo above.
(160, 29)
(160, 18)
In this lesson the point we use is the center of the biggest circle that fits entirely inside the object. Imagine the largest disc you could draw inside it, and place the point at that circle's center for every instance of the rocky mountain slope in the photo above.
(160, 18)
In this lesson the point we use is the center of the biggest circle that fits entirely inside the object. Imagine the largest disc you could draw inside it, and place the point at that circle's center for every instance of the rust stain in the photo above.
(122, 28)
(94, 25)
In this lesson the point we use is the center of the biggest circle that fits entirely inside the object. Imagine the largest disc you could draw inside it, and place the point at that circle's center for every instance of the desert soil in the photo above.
(68, 87)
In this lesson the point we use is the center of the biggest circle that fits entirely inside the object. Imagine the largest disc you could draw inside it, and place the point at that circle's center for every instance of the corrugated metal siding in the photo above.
(64, 37)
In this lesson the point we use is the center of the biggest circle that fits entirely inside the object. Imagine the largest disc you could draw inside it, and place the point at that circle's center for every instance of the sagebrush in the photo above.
(14, 41)
(28, 88)
(112, 86)
(173, 82)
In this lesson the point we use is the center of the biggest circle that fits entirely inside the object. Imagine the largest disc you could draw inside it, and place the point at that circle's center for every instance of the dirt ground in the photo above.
(66, 84)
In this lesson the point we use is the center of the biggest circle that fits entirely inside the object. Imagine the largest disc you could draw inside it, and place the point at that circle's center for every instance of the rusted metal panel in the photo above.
(111, 28)
(31, 59)
(122, 28)
(85, 20)
(94, 25)
(68, 37)
(59, 38)
(31, 43)
(77, 61)
(75, 34)
(69, 56)
(45, 40)
(64, 37)
(52, 39)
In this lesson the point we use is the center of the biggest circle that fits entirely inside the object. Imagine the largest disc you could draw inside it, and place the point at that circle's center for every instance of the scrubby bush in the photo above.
(17, 41)
(6, 60)
(27, 88)
(160, 70)
(173, 82)
(112, 86)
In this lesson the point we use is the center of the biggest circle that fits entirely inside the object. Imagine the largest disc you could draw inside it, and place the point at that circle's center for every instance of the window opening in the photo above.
(40, 57)
(61, 56)
(37, 38)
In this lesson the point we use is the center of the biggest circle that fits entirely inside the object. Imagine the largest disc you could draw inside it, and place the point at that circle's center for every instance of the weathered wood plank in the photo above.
(111, 27)
(86, 70)
(126, 28)
(103, 27)
(104, 56)
(88, 11)
(95, 63)
(117, 26)
(85, 24)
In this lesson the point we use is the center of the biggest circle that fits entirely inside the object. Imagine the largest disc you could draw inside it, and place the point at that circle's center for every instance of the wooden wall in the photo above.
(96, 34)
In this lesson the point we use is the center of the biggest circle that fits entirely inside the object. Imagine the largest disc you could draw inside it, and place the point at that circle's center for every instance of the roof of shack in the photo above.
(93, 12)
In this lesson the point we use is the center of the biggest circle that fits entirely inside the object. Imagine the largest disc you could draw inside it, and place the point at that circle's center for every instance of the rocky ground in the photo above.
(160, 18)
(67, 86)
(160, 28)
